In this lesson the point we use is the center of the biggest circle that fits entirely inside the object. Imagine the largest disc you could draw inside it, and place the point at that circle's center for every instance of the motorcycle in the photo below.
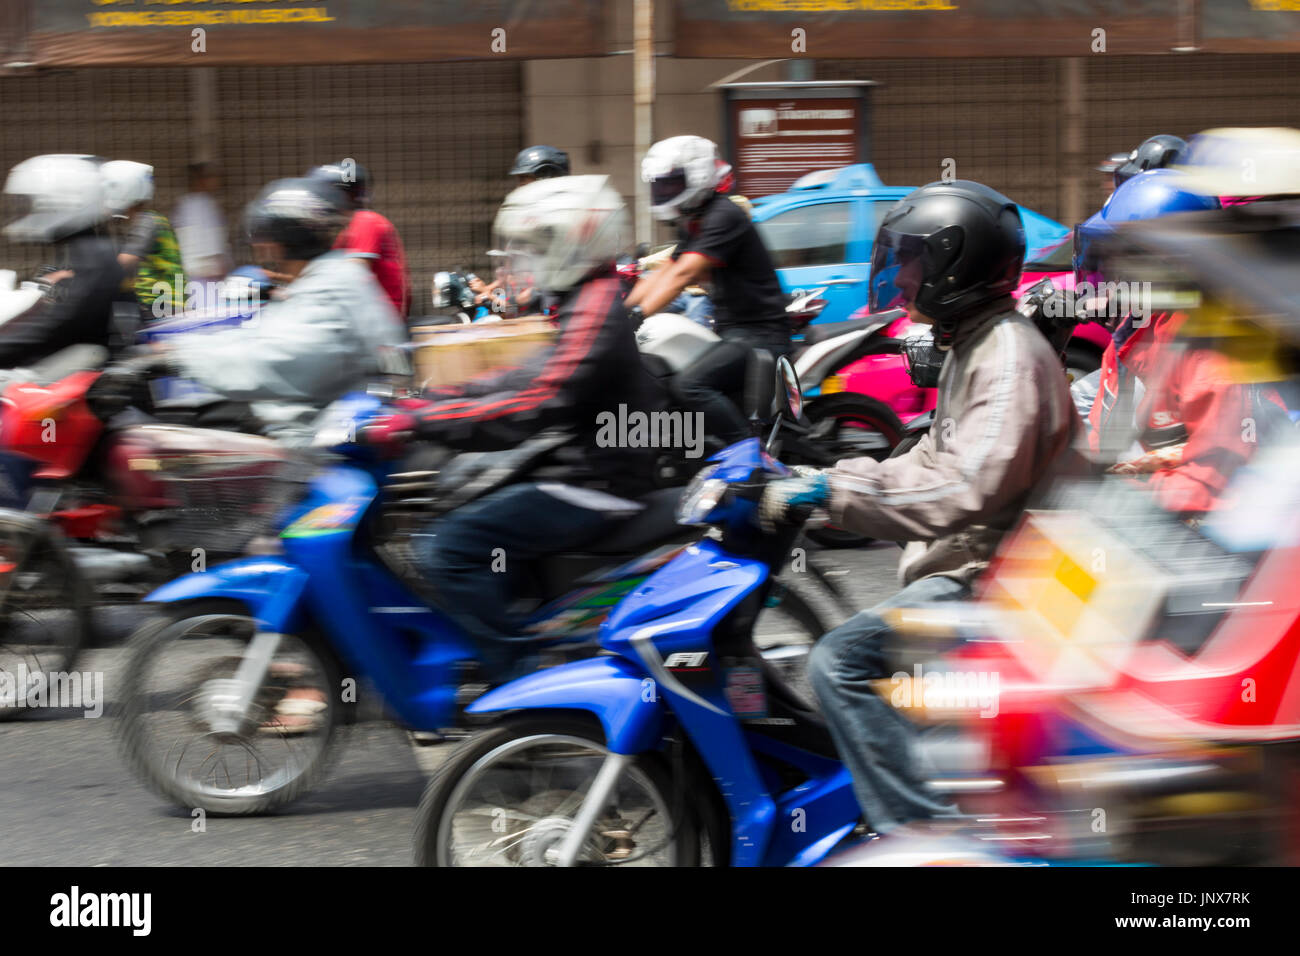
(682, 738)
(455, 302)
(671, 342)
(232, 694)
(140, 498)
(1131, 648)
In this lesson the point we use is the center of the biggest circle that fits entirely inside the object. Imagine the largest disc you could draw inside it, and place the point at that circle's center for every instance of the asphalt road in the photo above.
(69, 799)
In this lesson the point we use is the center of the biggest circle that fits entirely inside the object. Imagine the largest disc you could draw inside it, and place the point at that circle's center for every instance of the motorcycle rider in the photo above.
(149, 252)
(1154, 152)
(717, 242)
(368, 234)
(951, 253)
(1172, 410)
(63, 200)
(567, 232)
(327, 332)
(539, 162)
(513, 292)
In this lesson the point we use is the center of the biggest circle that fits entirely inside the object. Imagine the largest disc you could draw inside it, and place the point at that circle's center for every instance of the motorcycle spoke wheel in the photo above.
(509, 796)
(44, 612)
(174, 737)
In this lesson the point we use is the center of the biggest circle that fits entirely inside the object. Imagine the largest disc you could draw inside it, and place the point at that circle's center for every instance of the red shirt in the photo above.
(371, 235)
(1191, 395)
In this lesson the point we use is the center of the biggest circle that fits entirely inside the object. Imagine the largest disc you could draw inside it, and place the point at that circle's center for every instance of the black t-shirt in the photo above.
(746, 292)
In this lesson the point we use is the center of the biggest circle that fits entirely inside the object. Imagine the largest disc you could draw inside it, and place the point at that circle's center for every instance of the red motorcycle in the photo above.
(113, 501)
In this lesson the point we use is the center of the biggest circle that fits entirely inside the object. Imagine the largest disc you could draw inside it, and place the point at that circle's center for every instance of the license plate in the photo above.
(832, 383)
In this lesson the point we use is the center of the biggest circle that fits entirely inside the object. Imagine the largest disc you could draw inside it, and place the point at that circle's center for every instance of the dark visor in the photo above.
(666, 188)
(891, 251)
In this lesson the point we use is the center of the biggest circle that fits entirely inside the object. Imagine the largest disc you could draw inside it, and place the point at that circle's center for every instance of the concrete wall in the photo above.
(584, 106)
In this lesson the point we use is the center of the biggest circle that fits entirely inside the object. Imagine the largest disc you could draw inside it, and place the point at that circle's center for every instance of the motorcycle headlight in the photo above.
(336, 425)
(701, 497)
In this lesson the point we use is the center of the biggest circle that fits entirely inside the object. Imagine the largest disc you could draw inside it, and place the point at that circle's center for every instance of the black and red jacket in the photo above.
(593, 367)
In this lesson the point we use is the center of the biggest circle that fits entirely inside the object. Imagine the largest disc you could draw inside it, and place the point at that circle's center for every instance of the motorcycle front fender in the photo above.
(271, 588)
(621, 696)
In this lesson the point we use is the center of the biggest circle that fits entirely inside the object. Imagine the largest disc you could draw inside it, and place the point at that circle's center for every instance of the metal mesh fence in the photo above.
(1002, 120)
(438, 139)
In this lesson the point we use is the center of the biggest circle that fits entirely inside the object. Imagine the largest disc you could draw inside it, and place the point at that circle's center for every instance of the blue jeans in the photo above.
(475, 554)
(875, 741)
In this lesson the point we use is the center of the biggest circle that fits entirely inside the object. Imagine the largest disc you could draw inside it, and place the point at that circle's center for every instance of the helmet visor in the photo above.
(897, 270)
(668, 187)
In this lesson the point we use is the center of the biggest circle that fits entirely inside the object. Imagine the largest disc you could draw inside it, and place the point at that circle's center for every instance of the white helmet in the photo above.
(125, 184)
(558, 231)
(682, 172)
(61, 193)
(1243, 161)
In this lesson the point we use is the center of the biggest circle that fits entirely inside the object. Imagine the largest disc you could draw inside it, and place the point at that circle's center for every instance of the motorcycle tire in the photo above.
(476, 756)
(869, 414)
(44, 598)
(161, 771)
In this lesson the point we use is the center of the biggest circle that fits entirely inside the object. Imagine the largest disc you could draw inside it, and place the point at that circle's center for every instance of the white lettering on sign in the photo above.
(814, 114)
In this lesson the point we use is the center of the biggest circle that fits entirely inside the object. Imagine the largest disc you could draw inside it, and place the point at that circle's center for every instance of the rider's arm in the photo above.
(572, 374)
(1223, 421)
(306, 348)
(660, 287)
(79, 310)
(1010, 428)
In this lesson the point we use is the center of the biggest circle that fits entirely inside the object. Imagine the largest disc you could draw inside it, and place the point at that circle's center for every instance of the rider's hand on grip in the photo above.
(388, 433)
(791, 500)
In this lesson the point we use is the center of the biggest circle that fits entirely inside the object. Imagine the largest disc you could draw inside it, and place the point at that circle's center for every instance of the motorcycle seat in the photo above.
(653, 523)
(877, 320)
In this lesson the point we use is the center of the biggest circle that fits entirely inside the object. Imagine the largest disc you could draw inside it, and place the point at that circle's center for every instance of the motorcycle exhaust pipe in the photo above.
(105, 565)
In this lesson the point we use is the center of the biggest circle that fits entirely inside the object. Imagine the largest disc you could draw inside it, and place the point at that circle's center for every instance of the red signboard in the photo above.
(777, 140)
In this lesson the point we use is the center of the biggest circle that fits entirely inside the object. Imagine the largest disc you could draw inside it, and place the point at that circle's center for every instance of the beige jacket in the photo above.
(1004, 417)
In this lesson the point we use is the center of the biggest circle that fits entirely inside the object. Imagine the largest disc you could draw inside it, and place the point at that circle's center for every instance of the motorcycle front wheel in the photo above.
(508, 795)
(176, 737)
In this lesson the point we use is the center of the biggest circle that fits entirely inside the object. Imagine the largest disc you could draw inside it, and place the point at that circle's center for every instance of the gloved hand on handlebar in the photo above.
(792, 500)
(389, 434)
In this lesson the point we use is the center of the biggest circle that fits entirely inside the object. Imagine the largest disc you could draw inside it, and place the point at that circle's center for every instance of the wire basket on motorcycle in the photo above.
(221, 502)
(924, 360)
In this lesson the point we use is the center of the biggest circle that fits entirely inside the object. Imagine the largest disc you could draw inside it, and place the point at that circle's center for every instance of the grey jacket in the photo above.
(302, 351)
(1004, 417)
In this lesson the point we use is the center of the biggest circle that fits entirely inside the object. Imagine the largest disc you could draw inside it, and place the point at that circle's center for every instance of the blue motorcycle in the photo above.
(233, 694)
(681, 737)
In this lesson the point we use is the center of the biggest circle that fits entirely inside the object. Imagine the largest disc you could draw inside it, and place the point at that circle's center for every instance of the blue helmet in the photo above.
(1149, 195)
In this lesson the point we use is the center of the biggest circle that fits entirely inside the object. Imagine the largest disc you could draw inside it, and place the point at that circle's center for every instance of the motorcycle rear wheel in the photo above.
(506, 796)
(45, 606)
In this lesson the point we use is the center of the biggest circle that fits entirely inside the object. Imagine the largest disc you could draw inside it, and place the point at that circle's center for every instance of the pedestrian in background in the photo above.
(201, 231)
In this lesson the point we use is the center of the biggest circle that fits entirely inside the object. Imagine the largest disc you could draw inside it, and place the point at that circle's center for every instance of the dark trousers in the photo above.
(876, 742)
(475, 554)
(720, 372)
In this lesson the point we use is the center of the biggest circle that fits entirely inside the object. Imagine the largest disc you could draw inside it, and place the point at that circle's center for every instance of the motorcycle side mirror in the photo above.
(788, 386)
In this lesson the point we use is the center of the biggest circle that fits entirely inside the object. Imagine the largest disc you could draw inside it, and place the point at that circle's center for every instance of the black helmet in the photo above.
(1155, 153)
(541, 162)
(303, 215)
(349, 176)
(959, 244)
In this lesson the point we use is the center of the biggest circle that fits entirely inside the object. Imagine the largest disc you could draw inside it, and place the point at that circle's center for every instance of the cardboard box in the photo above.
(452, 354)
